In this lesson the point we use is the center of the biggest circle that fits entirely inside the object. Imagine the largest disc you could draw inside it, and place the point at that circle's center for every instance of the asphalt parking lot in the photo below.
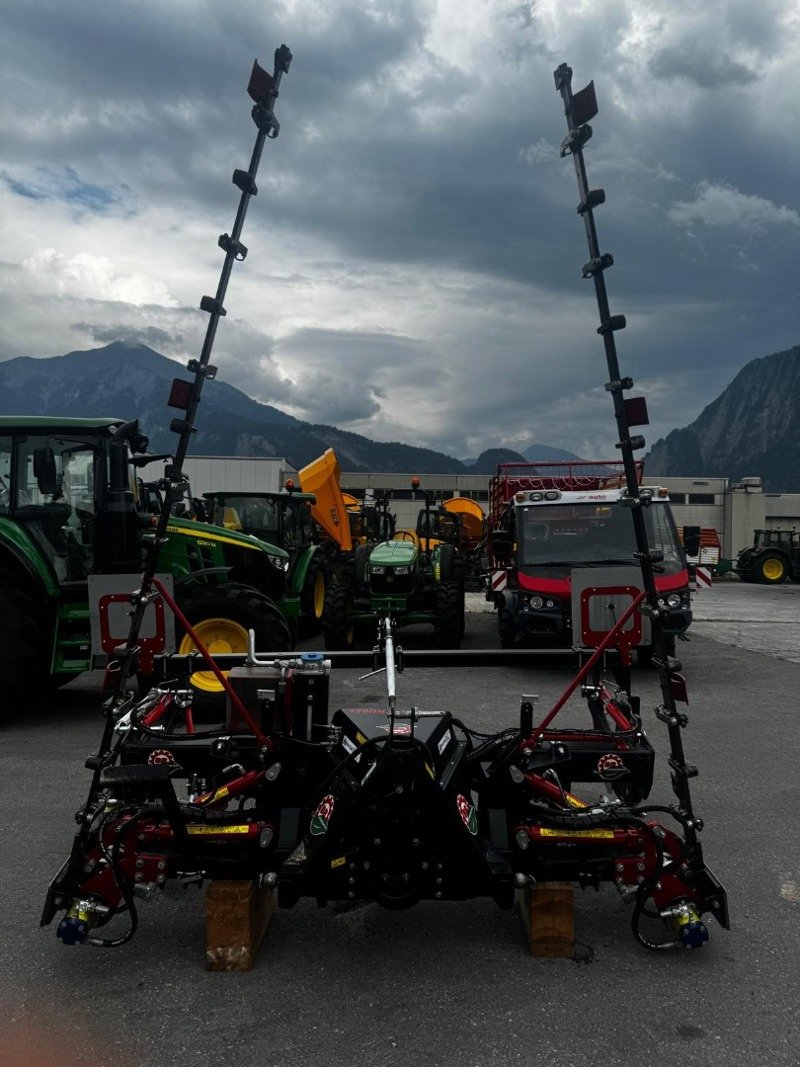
(443, 984)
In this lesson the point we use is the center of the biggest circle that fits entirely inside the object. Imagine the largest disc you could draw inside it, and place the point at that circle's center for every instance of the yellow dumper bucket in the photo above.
(473, 521)
(321, 477)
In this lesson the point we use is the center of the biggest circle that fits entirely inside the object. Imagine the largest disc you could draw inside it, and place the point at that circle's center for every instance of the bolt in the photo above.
(350, 894)
(384, 877)
(138, 876)
(351, 866)
(351, 881)
(639, 866)
(658, 885)
(620, 866)
(366, 865)
(437, 881)
(407, 877)
(161, 865)
(424, 865)
(140, 863)
(438, 894)
(415, 842)
(439, 866)
(377, 842)
(640, 879)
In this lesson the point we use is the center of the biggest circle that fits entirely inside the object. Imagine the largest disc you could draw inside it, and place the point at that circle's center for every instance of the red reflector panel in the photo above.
(180, 394)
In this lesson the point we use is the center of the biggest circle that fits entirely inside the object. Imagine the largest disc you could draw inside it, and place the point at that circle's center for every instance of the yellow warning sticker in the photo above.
(604, 835)
(574, 802)
(430, 770)
(240, 828)
(360, 738)
(220, 793)
(338, 862)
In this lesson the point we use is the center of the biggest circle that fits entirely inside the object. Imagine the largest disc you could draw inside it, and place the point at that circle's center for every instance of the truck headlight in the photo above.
(536, 602)
(402, 570)
(378, 570)
(674, 600)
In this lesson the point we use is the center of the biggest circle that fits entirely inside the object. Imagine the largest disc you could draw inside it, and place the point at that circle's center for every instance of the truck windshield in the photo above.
(554, 538)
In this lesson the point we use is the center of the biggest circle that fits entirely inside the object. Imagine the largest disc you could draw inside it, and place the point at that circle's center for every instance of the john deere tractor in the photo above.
(414, 577)
(67, 510)
(283, 519)
(773, 557)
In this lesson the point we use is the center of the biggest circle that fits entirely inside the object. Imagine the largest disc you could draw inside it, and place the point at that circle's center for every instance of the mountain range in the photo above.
(133, 381)
(752, 428)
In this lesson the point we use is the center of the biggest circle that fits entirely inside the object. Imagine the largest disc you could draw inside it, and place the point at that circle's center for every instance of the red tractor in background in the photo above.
(553, 523)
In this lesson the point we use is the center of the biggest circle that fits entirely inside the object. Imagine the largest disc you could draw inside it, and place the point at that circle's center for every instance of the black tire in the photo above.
(23, 652)
(247, 609)
(447, 564)
(772, 568)
(449, 611)
(338, 630)
(507, 629)
(312, 596)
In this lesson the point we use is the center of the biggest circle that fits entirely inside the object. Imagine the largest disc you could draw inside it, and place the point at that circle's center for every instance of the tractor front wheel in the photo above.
(337, 618)
(312, 598)
(221, 617)
(449, 614)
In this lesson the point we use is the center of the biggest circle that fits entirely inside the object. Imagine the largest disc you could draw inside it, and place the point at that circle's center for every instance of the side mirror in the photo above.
(44, 470)
(691, 540)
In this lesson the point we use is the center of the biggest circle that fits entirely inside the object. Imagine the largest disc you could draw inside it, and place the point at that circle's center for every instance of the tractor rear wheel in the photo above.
(772, 569)
(23, 665)
(449, 614)
(221, 617)
(337, 618)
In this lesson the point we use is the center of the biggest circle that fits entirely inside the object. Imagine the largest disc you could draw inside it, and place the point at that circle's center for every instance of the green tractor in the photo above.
(283, 519)
(68, 509)
(414, 577)
(773, 557)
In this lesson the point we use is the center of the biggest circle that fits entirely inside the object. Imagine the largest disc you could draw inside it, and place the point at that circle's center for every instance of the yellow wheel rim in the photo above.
(319, 595)
(772, 569)
(220, 636)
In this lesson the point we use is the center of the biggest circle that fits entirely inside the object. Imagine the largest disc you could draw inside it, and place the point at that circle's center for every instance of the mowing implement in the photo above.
(395, 804)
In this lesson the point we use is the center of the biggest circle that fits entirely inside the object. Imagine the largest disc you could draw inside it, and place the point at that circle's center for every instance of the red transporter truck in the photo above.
(548, 519)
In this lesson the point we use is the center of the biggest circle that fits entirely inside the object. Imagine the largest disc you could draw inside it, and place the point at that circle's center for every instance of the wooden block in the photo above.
(548, 914)
(237, 916)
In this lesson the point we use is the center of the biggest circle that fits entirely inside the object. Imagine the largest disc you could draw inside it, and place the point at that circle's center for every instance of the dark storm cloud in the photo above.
(414, 213)
(693, 61)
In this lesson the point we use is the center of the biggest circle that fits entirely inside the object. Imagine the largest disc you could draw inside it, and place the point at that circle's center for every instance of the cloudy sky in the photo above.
(414, 267)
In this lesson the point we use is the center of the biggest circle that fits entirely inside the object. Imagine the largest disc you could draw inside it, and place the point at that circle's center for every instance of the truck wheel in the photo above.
(22, 659)
(312, 597)
(772, 569)
(449, 611)
(222, 616)
(338, 630)
(507, 628)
